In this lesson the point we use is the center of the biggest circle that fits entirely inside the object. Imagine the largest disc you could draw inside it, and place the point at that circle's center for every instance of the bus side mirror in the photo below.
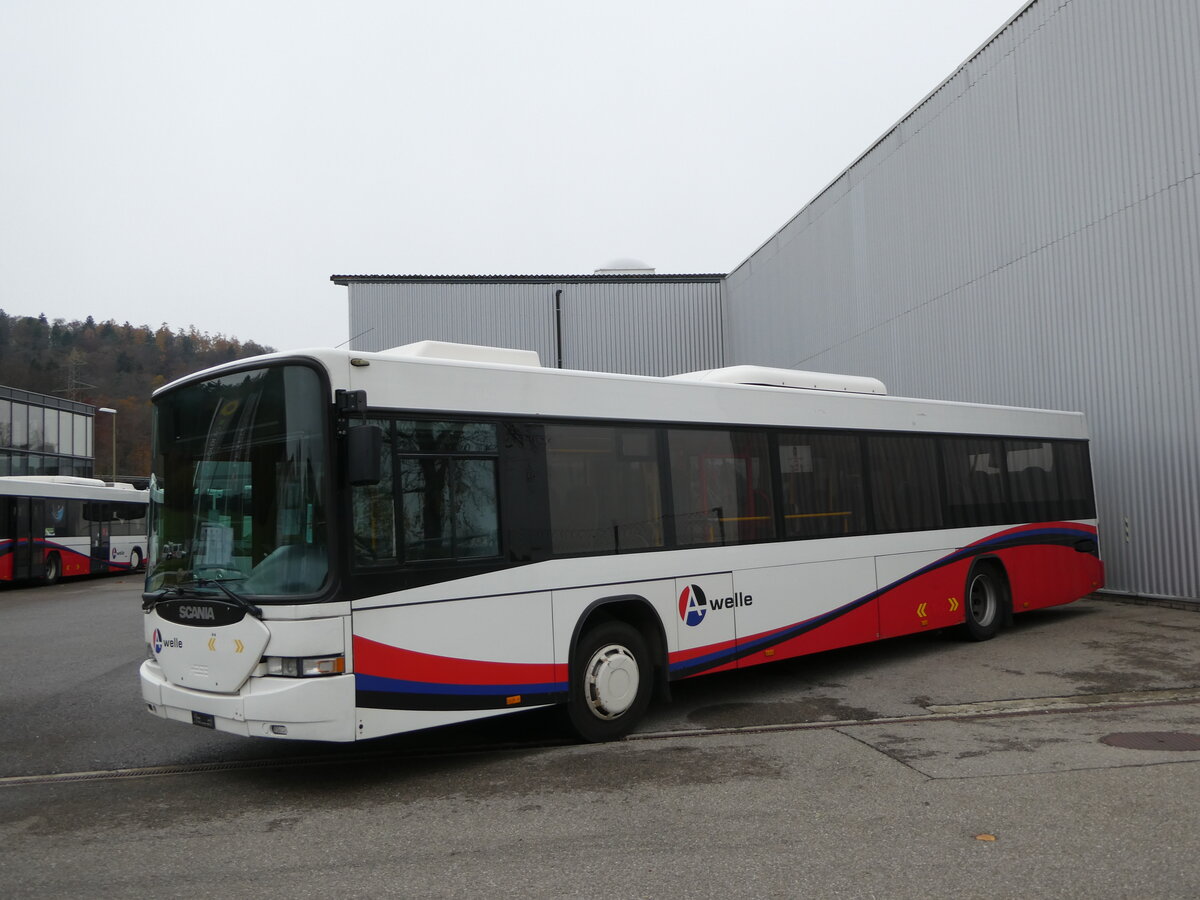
(364, 452)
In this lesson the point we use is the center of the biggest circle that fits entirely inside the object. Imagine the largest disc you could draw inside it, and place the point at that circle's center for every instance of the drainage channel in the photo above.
(995, 709)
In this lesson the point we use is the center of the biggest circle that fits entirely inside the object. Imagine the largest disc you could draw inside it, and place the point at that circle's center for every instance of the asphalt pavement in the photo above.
(1060, 759)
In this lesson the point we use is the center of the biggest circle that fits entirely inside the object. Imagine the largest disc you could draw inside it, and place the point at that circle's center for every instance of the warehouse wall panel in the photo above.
(1028, 235)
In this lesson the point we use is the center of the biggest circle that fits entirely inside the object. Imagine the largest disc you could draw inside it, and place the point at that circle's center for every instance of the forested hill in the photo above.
(112, 365)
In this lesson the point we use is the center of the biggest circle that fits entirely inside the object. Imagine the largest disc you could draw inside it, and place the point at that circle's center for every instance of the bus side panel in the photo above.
(436, 663)
(6, 560)
(705, 617)
(920, 591)
(75, 560)
(373, 723)
(791, 611)
(571, 605)
(1042, 576)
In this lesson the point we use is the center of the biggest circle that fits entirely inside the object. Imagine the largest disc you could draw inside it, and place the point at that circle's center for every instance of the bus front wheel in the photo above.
(985, 596)
(611, 679)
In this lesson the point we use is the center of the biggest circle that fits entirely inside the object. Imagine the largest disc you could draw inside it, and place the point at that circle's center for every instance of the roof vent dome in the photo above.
(625, 265)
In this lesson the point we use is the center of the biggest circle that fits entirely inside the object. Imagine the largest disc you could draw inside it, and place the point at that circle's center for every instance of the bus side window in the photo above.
(446, 477)
(374, 512)
(720, 486)
(974, 482)
(56, 518)
(822, 485)
(1032, 480)
(904, 485)
(604, 488)
(1075, 480)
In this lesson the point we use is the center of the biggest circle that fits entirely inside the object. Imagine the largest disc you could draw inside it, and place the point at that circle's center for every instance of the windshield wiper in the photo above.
(179, 589)
(151, 598)
(236, 598)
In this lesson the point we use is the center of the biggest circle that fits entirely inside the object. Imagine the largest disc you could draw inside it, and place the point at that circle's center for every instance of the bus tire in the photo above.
(53, 569)
(135, 559)
(985, 602)
(611, 681)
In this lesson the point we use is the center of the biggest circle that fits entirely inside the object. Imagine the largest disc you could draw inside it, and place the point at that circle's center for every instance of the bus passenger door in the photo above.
(99, 525)
(22, 537)
(705, 625)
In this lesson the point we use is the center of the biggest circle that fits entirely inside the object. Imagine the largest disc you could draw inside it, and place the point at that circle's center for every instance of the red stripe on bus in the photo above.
(375, 658)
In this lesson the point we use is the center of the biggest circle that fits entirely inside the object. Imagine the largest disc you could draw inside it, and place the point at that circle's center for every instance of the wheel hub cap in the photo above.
(612, 683)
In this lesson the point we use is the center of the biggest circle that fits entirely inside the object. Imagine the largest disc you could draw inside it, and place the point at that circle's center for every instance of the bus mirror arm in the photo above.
(364, 451)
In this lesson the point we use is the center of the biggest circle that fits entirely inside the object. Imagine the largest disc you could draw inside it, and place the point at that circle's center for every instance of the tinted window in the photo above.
(1032, 479)
(50, 437)
(720, 484)
(37, 418)
(446, 479)
(374, 512)
(604, 489)
(973, 478)
(1049, 480)
(1075, 480)
(904, 483)
(20, 426)
(821, 484)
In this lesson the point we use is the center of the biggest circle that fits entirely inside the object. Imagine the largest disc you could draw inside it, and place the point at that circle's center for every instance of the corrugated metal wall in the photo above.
(1028, 235)
(385, 315)
(639, 326)
(646, 328)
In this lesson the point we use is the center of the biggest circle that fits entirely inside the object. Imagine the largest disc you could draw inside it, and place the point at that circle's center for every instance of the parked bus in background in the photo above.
(53, 526)
(348, 545)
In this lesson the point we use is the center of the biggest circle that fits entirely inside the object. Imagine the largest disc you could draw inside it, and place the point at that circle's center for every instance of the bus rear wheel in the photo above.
(985, 597)
(611, 679)
(53, 569)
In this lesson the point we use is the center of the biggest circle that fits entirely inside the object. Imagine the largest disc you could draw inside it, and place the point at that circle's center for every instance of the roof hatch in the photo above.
(791, 378)
(465, 353)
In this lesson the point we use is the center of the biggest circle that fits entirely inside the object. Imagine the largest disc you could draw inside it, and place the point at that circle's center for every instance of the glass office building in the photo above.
(41, 435)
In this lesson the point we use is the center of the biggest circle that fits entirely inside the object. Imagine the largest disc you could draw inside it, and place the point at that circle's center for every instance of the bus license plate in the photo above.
(204, 720)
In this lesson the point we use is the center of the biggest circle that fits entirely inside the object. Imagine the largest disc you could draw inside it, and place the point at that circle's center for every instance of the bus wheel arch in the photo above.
(987, 599)
(53, 569)
(136, 559)
(617, 660)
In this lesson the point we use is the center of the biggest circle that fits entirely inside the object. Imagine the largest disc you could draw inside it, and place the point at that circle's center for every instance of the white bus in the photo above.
(53, 526)
(348, 545)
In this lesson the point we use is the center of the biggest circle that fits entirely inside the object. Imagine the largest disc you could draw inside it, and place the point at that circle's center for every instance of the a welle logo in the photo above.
(159, 642)
(694, 605)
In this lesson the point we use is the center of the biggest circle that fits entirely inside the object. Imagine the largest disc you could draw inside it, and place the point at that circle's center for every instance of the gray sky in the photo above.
(212, 164)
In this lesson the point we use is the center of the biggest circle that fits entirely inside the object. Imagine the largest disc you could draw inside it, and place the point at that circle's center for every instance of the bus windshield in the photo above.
(237, 493)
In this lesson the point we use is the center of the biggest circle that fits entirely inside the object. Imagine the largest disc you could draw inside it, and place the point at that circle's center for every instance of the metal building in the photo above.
(630, 323)
(1029, 234)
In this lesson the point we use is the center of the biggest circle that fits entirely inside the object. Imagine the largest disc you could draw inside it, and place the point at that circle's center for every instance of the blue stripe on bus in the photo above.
(1056, 536)
(396, 685)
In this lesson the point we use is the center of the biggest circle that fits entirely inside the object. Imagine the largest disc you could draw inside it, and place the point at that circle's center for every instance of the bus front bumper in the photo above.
(306, 709)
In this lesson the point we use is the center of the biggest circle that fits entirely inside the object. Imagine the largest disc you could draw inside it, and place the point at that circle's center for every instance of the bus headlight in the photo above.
(305, 666)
